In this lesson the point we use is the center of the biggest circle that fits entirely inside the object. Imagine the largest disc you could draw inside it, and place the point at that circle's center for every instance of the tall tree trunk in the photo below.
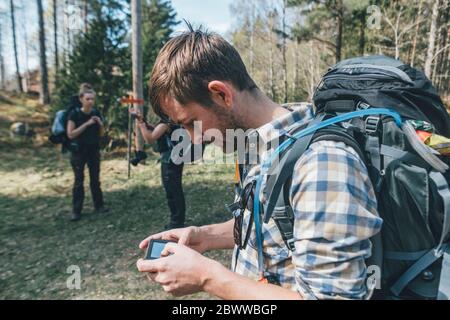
(442, 58)
(362, 32)
(16, 55)
(296, 75)
(67, 33)
(445, 86)
(27, 58)
(138, 89)
(271, 62)
(55, 37)
(85, 15)
(285, 53)
(44, 93)
(413, 54)
(252, 39)
(2, 62)
(434, 74)
(340, 28)
(311, 70)
(432, 39)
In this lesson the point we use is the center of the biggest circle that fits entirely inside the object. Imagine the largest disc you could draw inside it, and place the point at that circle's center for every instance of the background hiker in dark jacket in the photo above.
(171, 173)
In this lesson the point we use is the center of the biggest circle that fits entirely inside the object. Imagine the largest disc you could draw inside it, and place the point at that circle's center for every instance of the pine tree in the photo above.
(101, 57)
(158, 22)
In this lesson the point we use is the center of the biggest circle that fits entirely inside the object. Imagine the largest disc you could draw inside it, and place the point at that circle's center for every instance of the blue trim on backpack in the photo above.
(265, 166)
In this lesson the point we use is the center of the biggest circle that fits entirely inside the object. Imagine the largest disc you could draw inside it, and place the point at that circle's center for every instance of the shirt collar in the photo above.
(299, 114)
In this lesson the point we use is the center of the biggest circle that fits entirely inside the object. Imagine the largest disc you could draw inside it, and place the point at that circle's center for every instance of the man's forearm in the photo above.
(218, 236)
(227, 285)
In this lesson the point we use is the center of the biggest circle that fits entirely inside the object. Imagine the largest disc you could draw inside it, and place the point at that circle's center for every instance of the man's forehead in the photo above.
(174, 109)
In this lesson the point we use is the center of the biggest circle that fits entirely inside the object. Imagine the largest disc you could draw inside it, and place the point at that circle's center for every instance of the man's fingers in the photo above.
(152, 276)
(169, 248)
(185, 237)
(166, 235)
(144, 244)
(149, 266)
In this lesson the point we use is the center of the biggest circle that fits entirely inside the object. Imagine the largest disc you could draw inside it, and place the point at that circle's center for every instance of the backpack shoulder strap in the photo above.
(278, 184)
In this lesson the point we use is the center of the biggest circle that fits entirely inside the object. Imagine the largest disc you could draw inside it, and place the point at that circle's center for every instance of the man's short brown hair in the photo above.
(188, 62)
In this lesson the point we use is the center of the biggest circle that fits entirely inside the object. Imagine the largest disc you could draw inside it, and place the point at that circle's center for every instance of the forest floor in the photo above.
(37, 242)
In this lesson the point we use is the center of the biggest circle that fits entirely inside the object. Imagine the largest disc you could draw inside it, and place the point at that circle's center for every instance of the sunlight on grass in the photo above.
(38, 244)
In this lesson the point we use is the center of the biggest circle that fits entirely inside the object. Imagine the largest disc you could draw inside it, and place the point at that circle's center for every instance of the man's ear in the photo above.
(221, 93)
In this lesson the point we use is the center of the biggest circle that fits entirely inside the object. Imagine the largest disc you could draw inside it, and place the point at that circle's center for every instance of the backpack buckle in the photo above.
(290, 243)
(232, 208)
(372, 124)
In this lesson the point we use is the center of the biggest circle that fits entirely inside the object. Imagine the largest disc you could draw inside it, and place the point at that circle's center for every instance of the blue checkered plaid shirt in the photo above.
(335, 216)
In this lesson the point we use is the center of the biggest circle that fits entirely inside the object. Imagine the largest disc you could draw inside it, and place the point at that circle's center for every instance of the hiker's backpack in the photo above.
(59, 127)
(365, 101)
(163, 144)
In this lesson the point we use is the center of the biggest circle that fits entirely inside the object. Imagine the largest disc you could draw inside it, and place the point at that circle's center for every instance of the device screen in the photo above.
(155, 249)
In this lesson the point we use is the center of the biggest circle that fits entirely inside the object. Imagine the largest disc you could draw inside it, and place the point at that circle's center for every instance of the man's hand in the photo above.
(191, 237)
(181, 271)
(136, 114)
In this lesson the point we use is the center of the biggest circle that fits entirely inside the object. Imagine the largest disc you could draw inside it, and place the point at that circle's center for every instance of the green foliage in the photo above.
(158, 22)
(369, 27)
(102, 55)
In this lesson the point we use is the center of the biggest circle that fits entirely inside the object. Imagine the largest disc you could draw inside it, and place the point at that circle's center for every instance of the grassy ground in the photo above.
(38, 244)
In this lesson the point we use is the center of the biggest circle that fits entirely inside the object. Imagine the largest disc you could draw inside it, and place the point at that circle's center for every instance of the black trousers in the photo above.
(89, 155)
(172, 181)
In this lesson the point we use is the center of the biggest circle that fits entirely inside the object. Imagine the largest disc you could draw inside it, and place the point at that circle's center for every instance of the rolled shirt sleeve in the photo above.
(335, 216)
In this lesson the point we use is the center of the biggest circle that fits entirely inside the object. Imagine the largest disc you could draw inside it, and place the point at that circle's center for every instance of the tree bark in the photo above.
(442, 58)
(296, 75)
(340, 28)
(284, 53)
(362, 32)
(413, 54)
(271, 62)
(432, 39)
(2, 62)
(44, 93)
(85, 15)
(252, 39)
(55, 36)
(27, 55)
(16, 55)
(138, 89)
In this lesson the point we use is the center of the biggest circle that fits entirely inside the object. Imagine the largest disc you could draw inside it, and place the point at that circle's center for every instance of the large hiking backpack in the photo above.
(59, 127)
(367, 103)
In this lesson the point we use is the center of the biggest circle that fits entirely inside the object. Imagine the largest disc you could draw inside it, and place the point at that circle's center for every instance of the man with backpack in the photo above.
(306, 225)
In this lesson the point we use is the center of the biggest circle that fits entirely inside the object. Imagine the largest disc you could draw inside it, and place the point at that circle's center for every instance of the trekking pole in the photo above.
(130, 132)
(129, 102)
